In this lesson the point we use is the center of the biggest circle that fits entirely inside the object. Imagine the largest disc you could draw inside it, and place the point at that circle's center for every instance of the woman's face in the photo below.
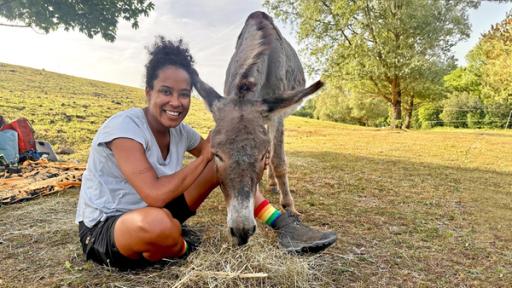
(169, 100)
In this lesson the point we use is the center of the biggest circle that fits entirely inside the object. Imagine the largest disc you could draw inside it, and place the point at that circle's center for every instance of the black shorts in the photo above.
(98, 242)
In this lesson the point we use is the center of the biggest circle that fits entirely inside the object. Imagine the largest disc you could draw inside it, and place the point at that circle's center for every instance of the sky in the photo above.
(209, 27)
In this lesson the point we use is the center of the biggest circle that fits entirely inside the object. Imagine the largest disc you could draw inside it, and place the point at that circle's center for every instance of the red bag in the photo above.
(25, 132)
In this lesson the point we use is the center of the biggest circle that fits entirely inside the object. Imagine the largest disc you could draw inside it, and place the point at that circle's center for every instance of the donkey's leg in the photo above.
(279, 165)
(272, 183)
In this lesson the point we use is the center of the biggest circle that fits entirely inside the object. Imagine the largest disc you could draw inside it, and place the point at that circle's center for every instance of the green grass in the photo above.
(428, 208)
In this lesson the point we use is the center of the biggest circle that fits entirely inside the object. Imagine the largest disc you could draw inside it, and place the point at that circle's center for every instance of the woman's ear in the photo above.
(148, 93)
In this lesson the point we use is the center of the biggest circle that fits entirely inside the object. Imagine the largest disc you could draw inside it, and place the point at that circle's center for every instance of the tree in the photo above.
(91, 17)
(331, 105)
(462, 79)
(487, 78)
(428, 115)
(382, 48)
(335, 104)
(462, 110)
(425, 87)
(307, 109)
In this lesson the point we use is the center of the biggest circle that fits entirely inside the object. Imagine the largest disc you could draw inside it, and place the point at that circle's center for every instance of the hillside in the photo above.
(411, 208)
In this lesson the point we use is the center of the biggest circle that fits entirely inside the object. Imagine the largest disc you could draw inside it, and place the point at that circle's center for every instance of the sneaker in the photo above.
(192, 237)
(299, 238)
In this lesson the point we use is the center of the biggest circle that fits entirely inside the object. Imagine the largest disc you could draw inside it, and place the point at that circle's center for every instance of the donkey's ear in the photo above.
(289, 98)
(205, 91)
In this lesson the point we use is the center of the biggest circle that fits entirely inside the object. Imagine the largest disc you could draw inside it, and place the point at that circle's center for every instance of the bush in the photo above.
(342, 106)
(429, 116)
(476, 119)
(307, 110)
(497, 113)
(457, 108)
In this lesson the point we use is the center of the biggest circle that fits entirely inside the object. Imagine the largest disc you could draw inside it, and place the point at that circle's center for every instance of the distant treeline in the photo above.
(390, 63)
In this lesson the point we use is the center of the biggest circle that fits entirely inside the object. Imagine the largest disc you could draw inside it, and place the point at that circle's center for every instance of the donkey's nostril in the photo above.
(243, 239)
(241, 235)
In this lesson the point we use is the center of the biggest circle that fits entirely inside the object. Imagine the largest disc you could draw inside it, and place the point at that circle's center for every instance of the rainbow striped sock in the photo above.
(266, 213)
(185, 248)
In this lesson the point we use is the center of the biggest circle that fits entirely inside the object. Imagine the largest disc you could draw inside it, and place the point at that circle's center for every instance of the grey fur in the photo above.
(264, 83)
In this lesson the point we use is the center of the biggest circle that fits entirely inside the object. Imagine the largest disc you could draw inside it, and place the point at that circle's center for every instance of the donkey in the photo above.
(264, 84)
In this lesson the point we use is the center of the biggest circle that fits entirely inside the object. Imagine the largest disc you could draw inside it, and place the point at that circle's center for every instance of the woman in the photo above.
(135, 194)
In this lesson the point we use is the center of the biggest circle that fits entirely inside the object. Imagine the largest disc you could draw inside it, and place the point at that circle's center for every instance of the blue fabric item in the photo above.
(9, 145)
(31, 155)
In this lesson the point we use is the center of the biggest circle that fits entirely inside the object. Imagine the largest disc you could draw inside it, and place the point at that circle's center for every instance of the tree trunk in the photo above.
(408, 116)
(396, 102)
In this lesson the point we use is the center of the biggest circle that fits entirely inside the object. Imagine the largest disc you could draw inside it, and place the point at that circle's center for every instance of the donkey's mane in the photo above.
(252, 45)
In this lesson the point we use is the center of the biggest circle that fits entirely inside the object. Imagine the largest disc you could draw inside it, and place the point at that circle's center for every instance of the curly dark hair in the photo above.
(164, 53)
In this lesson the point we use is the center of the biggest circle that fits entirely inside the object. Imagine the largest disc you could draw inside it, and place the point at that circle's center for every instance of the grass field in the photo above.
(426, 208)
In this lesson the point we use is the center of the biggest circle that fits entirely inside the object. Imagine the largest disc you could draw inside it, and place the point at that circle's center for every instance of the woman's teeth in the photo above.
(172, 113)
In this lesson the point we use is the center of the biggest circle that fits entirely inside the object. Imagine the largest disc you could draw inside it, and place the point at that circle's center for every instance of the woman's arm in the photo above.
(203, 144)
(156, 191)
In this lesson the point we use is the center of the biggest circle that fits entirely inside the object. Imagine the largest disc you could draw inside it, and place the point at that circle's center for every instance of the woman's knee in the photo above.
(150, 231)
(158, 226)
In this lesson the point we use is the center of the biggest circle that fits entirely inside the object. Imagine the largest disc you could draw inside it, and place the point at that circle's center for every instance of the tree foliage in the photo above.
(462, 79)
(487, 78)
(91, 17)
(463, 110)
(379, 48)
(340, 105)
(429, 115)
(493, 55)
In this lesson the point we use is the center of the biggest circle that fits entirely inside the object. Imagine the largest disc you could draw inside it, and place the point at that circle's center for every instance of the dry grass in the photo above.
(40, 248)
(411, 208)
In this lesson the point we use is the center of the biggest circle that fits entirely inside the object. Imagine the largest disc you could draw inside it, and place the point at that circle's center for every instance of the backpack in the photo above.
(25, 132)
(9, 147)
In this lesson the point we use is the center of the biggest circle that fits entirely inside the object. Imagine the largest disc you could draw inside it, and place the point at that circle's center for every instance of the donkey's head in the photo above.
(240, 143)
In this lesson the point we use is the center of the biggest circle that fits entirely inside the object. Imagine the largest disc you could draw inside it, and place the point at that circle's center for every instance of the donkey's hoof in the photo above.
(292, 211)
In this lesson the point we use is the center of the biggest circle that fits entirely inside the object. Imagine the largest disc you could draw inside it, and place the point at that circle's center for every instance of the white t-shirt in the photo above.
(105, 191)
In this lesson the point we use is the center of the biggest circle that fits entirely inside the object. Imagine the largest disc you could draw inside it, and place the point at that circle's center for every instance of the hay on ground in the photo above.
(38, 178)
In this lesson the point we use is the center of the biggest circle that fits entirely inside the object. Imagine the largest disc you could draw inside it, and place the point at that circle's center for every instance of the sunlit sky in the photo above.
(209, 27)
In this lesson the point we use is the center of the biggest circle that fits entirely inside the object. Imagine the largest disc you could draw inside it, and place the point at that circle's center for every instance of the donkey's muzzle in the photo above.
(241, 235)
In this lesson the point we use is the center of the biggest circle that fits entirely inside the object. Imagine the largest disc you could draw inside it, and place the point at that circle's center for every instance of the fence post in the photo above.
(508, 120)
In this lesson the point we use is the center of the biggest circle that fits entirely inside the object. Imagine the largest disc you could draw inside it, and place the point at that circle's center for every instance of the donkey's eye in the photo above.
(218, 157)
(244, 88)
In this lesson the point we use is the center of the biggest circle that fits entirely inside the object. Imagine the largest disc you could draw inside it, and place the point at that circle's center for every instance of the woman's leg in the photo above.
(153, 232)
(149, 232)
